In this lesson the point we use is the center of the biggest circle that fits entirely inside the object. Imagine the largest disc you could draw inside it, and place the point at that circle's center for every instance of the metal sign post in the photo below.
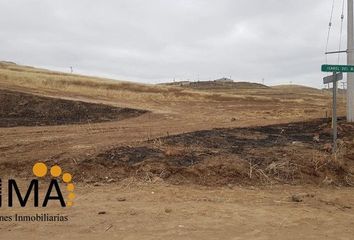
(334, 118)
(334, 79)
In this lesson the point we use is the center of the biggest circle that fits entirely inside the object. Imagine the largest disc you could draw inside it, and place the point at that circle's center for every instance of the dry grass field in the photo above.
(174, 162)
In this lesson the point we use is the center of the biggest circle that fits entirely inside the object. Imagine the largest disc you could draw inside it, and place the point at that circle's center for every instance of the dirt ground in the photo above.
(229, 164)
(159, 211)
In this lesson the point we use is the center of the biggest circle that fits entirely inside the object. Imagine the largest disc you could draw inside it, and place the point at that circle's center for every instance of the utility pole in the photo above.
(350, 61)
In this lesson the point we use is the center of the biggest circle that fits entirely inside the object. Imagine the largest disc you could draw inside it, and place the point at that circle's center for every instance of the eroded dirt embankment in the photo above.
(297, 153)
(22, 109)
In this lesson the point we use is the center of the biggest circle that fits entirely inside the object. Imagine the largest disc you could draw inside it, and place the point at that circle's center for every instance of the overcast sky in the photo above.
(154, 41)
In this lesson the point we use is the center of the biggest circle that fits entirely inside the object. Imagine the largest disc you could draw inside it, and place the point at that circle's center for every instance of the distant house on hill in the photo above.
(224, 80)
(184, 83)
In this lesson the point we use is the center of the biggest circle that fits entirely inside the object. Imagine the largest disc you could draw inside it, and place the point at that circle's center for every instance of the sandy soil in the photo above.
(160, 211)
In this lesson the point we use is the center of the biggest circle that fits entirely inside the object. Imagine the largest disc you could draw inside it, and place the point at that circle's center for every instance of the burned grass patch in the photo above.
(295, 153)
(21, 109)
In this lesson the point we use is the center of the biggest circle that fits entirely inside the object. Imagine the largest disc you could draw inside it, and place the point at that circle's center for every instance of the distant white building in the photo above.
(183, 83)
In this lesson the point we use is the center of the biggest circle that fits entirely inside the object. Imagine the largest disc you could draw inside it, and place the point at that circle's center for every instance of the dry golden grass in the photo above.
(130, 94)
(44, 80)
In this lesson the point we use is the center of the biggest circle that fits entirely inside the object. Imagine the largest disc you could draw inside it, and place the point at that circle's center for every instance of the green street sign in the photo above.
(337, 68)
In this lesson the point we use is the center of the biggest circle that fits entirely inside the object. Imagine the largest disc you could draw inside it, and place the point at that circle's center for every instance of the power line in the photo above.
(329, 29)
(341, 31)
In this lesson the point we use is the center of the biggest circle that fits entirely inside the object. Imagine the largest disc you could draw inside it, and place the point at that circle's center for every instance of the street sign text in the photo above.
(337, 68)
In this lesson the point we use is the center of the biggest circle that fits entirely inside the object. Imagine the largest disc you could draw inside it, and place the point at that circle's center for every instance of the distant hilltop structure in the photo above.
(221, 83)
(224, 80)
(189, 83)
(182, 83)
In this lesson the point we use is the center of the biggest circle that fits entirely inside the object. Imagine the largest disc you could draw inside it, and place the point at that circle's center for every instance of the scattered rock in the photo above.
(296, 198)
(168, 210)
(300, 197)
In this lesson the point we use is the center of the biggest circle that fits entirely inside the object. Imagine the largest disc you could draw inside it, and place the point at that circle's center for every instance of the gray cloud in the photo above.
(158, 40)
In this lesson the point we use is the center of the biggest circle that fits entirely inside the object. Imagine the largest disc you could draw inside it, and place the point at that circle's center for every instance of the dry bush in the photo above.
(319, 160)
(257, 172)
(283, 170)
(339, 158)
